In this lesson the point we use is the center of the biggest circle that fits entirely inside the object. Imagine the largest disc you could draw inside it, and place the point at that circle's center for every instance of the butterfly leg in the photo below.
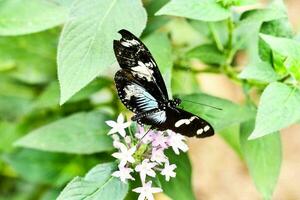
(138, 116)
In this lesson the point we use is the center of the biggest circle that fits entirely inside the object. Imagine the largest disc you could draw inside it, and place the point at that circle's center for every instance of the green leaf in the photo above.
(50, 96)
(13, 107)
(247, 29)
(160, 47)
(31, 57)
(97, 184)
(180, 187)
(263, 157)
(278, 28)
(41, 167)
(85, 48)
(154, 22)
(288, 50)
(37, 15)
(230, 114)
(81, 133)
(231, 135)
(284, 46)
(205, 10)
(9, 133)
(261, 71)
(278, 108)
(208, 53)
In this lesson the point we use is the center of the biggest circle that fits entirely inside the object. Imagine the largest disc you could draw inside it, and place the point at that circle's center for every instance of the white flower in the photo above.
(119, 126)
(147, 191)
(123, 174)
(159, 140)
(168, 171)
(158, 155)
(124, 155)
(146, 168)
(176, 141)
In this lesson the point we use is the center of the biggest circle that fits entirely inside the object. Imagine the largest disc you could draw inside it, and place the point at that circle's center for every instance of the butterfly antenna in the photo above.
(203, 104)
(145, 133)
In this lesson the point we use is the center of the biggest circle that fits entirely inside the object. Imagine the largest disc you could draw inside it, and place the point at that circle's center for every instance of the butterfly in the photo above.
(142, 90)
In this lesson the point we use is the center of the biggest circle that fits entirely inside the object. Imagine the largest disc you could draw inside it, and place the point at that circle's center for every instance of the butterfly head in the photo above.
(174, 103)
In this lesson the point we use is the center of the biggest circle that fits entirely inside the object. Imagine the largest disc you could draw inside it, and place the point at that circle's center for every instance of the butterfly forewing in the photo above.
(134, 56)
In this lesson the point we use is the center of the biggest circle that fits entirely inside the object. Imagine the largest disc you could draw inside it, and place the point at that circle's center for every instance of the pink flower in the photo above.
(159, 140)
(141, 134)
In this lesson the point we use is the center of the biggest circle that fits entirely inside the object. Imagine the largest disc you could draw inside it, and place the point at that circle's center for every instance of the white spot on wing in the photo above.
(185, 121)
(199, 131)
(206, 128)
(143, 71)
(129, 43)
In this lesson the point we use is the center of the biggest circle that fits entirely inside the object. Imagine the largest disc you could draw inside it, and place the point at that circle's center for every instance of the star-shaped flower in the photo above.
(158, 155)
(168, 171)
(123, 174)
(125, 154)
(147, 191)
(159, 140)
(177, 142)
(143, 135)
(119, 126)
(146, 168)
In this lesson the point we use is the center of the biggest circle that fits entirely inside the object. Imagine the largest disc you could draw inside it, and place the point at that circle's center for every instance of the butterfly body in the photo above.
(142, 90)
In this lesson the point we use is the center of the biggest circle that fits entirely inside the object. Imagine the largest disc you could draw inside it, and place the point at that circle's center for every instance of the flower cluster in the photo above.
(143, 153)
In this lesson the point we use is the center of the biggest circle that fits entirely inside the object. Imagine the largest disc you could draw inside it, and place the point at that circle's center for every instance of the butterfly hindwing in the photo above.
(186, 123)
(134, 56)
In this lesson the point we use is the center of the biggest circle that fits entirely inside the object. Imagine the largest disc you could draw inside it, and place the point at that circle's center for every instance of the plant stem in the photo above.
(197, 71)
(215, 36)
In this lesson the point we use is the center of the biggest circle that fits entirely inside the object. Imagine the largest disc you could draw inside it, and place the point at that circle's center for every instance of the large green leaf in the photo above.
(208, 53)
(261, 71)
(42, 167)
(81, 133)
(31, 58)
(50, 96)
(263, 157)
(22, 17)
(289, 49)
(229, 115)
(97, 184)
(85, 49)
(284, 46)
(180, 187)
(160, 47)
(206, 10)
(278, 108)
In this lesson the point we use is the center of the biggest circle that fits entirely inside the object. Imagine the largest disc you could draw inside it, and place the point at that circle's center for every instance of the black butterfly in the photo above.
(142, 90)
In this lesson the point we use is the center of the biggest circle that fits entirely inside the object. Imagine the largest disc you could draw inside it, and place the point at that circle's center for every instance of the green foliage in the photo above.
(278, 108)
(44, 145)
(71, 134)
(206, 10)
(37, 15)
(263, 157)
(180, 187)
(97, 184)
(93, 25)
